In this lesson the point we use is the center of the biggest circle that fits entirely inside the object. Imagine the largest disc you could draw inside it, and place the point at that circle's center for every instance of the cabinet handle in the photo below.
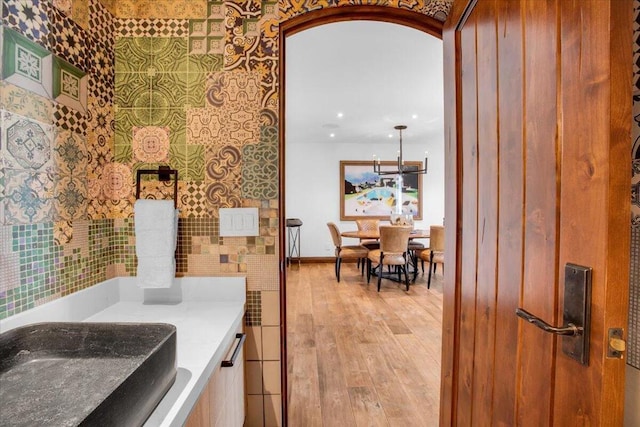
(236, 351)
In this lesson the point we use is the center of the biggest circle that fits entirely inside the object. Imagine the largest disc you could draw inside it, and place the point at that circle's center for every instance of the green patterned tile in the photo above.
(216, 28)
(179, 137)
(160, 116)
(215, 9)
(205, 63)
(215, 45)
(197, 45)
(126, 119)
(133, 90)
(143, 115)
(69, 85)
(25, 63)
(197, 27)
(196, 89)
(133, 54)
(195, 162)
(174, 118)
(123, 153)
(169, 54)
(260, 167)
(269, 135)
(178, 160)
(169, 90)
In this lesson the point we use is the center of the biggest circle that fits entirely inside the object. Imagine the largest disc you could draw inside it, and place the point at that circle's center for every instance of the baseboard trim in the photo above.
(313, 260)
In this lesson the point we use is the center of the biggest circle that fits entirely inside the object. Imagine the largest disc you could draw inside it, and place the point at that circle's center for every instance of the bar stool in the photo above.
(293, 233)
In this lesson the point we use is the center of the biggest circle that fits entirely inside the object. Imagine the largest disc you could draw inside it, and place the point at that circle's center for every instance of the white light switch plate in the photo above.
(239, 222)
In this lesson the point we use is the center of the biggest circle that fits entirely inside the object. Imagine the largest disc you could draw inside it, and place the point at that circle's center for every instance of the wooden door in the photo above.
(538, 107)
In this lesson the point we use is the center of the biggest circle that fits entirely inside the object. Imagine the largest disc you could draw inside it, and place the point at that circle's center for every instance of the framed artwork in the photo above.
(365, 194)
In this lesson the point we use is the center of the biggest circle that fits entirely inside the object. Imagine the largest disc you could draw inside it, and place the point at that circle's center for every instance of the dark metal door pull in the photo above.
(576, 313)
(569, 329)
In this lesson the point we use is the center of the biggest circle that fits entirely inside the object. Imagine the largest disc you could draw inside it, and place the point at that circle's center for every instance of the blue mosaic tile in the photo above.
(28, 17)
(28, 196)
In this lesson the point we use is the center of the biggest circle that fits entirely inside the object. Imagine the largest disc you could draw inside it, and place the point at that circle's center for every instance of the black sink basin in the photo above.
(85, 374)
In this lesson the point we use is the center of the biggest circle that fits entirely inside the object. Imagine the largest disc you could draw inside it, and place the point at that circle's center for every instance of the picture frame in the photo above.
(365, 194)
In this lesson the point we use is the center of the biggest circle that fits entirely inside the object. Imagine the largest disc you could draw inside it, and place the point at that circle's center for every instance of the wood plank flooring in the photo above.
(358, 357)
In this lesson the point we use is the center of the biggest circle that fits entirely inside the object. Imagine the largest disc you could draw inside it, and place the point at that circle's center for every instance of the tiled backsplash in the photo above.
(36, 269)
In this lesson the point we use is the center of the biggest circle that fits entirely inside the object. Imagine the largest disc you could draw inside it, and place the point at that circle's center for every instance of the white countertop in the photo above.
(205, 311)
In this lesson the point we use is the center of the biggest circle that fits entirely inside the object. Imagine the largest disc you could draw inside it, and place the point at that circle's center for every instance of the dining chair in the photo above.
(368, 225)
(394, 241)
(414, 250)
(435, 254)
(348, 252)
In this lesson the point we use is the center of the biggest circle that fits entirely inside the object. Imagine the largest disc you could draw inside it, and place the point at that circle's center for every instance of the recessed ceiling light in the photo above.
(414, 116)
(332, 135)
(340, 115)
(390, 135)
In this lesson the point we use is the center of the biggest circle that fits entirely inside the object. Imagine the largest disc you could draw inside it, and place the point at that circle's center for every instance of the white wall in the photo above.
(312, 186)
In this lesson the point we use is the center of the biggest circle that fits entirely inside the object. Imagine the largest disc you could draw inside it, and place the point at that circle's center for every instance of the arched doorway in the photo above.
(302, 22)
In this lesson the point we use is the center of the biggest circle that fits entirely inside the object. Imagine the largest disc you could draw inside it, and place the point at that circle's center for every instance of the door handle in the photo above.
(569, 329)
(576, 314)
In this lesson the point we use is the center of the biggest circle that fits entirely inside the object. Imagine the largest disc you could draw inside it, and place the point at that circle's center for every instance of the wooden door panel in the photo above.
(584, 164)
(539, 287)
(453, 209)
(586, 222)
(537, 149)
(510, 215)
(469, 224)
(487, 158)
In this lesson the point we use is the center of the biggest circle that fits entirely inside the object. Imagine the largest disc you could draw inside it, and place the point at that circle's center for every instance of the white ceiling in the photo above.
(376, 74)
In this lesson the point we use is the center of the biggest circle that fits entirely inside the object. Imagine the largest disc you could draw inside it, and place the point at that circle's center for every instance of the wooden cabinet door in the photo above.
(538, 106)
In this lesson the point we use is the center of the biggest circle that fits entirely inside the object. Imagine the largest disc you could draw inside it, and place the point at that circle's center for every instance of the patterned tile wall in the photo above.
(438, 9)
(160, 9)
(56, 124)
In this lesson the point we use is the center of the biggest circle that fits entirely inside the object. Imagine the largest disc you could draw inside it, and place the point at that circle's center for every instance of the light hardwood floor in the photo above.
(357, 357)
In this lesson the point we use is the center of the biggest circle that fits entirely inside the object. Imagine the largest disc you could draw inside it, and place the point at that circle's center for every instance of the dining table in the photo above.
(375, 234)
